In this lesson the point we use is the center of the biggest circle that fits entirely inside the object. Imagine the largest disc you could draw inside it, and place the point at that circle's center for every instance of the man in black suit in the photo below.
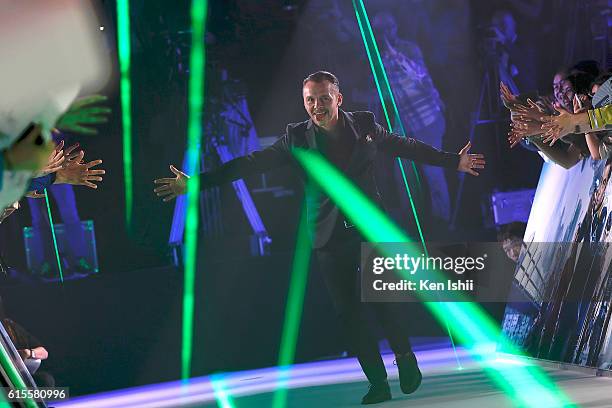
(350, 141)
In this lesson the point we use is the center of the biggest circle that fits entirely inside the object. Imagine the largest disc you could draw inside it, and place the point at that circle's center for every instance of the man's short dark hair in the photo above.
(321, 76)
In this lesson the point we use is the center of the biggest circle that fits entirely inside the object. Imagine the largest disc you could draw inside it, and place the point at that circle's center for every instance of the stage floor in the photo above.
(340, 383)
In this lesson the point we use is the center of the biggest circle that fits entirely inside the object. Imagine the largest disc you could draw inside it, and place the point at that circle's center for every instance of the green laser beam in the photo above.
(526, 386)
(294, 308)
(386, 97)
(55, 248)
(14, 377)
(124, 49)
(199, 10)
(223, 398)
(378, 70)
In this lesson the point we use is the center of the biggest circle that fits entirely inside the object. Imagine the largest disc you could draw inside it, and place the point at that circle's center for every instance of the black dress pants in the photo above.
(339, 264)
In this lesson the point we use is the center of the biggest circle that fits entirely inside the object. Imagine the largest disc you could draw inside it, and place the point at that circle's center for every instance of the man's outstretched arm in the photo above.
(257, 162)
(409, 148)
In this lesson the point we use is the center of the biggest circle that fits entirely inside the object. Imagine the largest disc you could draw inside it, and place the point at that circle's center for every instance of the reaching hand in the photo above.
(69, 153)
(58, 160)
(55, 161)
(25, 154)
(531, 111)
(468, 162)
(508, 98)
(79, 173)
(522, 128)
(555, 127)
(172, 187)
(515, 136)
(81, 115)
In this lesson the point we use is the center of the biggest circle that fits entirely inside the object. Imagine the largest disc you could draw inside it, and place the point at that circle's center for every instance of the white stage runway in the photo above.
(340, 383)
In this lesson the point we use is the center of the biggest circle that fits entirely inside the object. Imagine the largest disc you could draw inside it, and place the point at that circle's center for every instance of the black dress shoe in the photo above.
(379, 392)
(409, 374)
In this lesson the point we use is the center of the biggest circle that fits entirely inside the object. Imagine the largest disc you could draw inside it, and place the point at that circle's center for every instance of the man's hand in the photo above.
(81, 115)
(27, 155)
(468, 162)
(78, 173)
(171, 187)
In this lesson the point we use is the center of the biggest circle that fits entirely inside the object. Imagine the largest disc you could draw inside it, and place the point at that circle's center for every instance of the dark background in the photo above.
(122, 327)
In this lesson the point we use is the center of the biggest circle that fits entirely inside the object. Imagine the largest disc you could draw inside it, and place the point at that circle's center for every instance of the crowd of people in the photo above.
(564, 127)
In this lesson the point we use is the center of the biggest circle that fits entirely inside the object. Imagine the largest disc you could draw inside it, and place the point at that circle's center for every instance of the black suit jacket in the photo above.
(370, 139)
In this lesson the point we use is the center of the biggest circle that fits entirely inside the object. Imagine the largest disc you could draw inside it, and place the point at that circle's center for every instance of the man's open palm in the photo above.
(171, 187)
(468, 162)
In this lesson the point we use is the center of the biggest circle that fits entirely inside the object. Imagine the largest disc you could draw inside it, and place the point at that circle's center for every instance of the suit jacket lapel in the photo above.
(310, 135)
(360, 148)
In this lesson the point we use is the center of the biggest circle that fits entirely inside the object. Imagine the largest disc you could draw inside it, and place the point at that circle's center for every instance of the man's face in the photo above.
(321, 101)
